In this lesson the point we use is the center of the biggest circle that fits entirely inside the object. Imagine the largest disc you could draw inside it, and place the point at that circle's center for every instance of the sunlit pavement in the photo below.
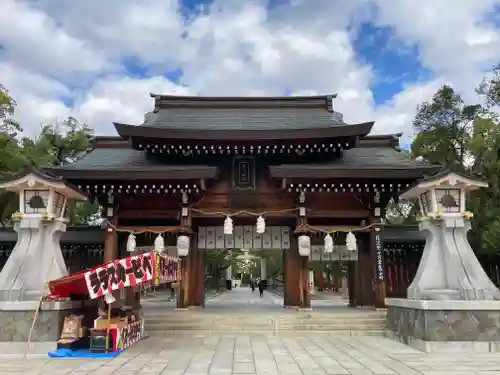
(260, 354)
(204, 354)
(239, 298)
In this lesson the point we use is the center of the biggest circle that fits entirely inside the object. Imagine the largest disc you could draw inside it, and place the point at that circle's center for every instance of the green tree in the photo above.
(490, 88)
(444, 126)
(485, 203)
(56, 144)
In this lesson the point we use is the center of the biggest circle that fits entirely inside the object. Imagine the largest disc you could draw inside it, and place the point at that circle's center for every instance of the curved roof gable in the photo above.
(243, 119)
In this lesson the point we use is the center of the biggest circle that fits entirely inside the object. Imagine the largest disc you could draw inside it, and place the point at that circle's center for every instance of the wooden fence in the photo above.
(401, 264)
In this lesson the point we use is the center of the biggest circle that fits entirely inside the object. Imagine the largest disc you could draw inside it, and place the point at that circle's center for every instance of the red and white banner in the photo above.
(121, 273)
(167, 268)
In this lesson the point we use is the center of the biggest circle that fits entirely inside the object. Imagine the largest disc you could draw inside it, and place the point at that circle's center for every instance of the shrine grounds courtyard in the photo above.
(259, 354)
(200, 354)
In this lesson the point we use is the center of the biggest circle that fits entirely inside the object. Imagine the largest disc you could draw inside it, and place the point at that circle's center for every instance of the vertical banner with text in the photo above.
(167, 268)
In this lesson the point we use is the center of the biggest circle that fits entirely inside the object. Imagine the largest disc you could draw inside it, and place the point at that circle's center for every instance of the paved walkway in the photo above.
(244, 299)
(204, 354)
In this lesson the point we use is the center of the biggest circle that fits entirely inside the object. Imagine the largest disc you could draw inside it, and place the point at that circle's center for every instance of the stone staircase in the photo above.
(348, 322)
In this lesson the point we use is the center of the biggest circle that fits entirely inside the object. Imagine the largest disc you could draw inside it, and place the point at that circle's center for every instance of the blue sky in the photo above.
(98, 61)
(394, 63)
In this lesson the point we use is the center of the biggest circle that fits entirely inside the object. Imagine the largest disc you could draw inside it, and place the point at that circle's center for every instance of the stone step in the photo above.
(380, 332)
(158, 320)
(179, 316)
(266, 321)
(163, 327)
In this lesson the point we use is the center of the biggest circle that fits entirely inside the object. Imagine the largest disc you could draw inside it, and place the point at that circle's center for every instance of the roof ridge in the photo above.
(176, 101)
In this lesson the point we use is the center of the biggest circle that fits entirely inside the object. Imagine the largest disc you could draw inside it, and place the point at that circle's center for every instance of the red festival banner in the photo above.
(120, 273)
(167, 268)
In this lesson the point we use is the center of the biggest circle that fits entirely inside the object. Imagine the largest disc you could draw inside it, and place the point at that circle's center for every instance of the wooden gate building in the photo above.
(194, 161)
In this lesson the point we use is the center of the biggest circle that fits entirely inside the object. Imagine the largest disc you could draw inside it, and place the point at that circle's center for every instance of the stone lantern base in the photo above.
(16, 319)
(445, 326)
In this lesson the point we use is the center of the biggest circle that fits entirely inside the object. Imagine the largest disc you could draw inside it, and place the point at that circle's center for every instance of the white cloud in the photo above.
(32, 40)
(58, 49)
(121, 99)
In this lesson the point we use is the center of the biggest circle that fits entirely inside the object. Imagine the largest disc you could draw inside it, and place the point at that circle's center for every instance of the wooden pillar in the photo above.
(364, 272)
(377, 254)
(197, 276)
(305, 293)
(185, 296)
(351, 283)
(111, 235)
(286, 294)
(291, 267)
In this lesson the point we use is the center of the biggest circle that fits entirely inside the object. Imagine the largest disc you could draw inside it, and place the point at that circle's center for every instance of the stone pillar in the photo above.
(263, 271)
(36, 259)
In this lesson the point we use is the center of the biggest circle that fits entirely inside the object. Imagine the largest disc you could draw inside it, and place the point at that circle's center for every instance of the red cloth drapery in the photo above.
(68, 285)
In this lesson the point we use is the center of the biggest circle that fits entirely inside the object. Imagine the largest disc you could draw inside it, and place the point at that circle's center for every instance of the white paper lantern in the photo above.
(159, 244)
(182, 245)
(304, 243)
(131, 243)
(328, 243)
(228, 226)
(261, 225)
(109, 298)
(350, 242)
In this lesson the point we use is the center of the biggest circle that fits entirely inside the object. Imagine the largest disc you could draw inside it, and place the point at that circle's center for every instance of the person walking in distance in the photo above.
(261, 288)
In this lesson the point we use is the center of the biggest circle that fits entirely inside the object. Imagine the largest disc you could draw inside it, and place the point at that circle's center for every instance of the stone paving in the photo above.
(259, 354)
(203, 354)
(239, 299)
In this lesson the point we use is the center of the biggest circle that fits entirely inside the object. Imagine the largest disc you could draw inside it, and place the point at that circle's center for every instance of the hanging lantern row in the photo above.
(304, 241)
(260, 226)
(305, 244)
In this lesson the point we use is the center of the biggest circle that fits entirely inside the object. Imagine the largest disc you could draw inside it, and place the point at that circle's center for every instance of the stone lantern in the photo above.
(451, 303)
(39, 221)
(449, 269)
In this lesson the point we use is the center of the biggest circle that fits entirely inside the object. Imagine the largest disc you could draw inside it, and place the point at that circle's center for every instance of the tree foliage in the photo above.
(466, 137)
(57, 144)
(444, 129)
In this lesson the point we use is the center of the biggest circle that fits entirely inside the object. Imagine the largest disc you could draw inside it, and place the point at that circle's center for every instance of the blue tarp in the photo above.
(81, 353)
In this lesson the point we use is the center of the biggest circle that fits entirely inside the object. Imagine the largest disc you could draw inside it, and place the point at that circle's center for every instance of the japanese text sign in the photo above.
(166, 268)
(121, 273)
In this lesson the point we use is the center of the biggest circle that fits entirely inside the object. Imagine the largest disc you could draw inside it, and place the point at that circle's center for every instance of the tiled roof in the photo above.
(243, 118)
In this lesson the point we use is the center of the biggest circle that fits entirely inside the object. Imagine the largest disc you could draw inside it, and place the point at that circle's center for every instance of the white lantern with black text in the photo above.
(228, 226)
(261, 225)
(350, 242)
(159, 244)
(131, 243)
(328, 243)
(304, 243)
(183, 243)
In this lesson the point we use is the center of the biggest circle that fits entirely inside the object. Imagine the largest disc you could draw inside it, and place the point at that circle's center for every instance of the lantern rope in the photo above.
(336, 229)
(242, 212)
(177, 229)
(145, 230)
